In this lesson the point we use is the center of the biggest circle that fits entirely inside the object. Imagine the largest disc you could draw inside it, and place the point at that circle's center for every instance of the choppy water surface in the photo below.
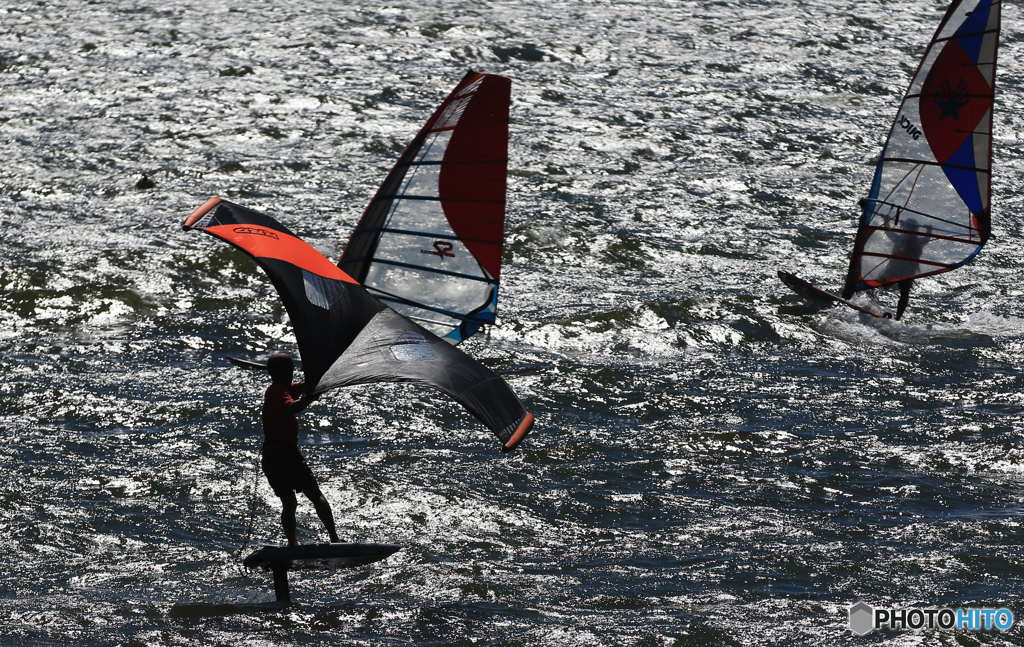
(714, 462)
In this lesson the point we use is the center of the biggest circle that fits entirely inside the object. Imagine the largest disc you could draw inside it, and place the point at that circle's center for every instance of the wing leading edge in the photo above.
(346, 336)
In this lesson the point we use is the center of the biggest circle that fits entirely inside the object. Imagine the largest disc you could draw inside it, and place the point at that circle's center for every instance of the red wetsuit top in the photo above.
(279, 426)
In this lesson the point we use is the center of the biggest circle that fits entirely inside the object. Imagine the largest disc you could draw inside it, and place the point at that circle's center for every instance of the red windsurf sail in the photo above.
(430, 241)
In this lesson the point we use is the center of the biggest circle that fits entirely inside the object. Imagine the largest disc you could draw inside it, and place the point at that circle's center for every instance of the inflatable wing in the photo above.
(346, 336)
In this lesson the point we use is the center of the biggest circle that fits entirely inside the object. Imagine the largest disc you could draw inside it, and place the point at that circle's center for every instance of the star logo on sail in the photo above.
(951, 100)
(441, 249)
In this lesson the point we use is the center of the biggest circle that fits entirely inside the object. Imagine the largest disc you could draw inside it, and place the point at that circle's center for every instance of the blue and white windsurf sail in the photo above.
(929, 208)
(430, 242)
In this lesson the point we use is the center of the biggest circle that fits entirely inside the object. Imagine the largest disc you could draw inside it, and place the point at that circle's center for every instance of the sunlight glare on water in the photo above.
(714, 462)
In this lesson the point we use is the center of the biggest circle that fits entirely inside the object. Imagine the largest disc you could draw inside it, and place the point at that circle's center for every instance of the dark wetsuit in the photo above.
(282, 462)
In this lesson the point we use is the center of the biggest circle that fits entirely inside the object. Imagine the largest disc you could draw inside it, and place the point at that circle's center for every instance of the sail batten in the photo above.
(909, 259)
(410, 196)
(973, 169)
(448, 313)
(435, 234)
(431, 270)
(935, 233)
(966, 36)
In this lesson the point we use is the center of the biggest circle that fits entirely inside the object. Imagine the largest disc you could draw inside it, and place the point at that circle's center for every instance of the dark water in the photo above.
(714, 462)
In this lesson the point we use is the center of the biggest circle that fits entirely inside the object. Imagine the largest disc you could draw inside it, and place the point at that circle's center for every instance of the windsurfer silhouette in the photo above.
(282, 462)
(908, 246)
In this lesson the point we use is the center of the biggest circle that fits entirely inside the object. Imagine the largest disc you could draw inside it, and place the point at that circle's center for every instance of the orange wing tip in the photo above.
(524, 428)
(196, 215)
